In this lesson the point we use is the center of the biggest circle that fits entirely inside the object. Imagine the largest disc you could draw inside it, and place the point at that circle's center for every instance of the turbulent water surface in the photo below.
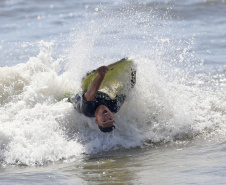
(170, 130)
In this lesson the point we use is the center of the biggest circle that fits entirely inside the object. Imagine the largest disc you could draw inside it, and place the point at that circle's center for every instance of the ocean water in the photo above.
(172, 128)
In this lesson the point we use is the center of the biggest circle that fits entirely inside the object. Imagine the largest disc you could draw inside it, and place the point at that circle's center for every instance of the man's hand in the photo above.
(95, 85)
(102, 70)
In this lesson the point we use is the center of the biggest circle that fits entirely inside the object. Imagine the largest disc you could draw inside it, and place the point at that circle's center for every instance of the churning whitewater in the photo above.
(38, 125)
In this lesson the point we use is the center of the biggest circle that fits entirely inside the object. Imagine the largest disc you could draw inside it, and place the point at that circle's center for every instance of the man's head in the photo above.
(104, 118)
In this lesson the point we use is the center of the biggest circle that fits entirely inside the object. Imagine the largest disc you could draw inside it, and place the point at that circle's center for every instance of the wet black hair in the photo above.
(107, 129)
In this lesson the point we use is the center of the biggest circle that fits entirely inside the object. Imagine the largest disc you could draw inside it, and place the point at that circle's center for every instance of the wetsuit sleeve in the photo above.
(87, 107)
(82, 105)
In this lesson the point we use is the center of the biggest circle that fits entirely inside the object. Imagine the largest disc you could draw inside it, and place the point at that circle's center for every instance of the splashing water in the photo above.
(168, 103)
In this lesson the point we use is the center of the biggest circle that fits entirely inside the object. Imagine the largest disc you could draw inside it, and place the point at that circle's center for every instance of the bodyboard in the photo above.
(116, 81)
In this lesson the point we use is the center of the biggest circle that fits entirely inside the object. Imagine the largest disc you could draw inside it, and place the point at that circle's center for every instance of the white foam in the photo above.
(38, 125)
(32, 116)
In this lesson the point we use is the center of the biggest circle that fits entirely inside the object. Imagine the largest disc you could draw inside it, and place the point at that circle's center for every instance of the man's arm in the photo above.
(95, 85)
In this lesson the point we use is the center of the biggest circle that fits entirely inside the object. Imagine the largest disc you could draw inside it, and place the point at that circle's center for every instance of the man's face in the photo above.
(104, 117)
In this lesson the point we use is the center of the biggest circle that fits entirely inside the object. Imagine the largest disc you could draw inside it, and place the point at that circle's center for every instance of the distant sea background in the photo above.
(172, 128)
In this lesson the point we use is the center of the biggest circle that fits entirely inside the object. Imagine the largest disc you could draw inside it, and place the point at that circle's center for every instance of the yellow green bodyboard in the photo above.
(116, 81)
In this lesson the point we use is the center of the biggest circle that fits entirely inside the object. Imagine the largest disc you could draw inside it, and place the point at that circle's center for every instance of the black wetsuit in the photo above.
(88, 108)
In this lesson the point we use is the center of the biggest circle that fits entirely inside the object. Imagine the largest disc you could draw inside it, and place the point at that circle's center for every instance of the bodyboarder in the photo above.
(97, 104)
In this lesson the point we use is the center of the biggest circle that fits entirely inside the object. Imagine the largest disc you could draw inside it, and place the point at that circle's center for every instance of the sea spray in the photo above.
(162, 107)
(32, 115)
(168, 103)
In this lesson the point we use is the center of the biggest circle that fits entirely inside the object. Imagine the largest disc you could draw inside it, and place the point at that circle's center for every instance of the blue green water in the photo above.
(172, 128)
